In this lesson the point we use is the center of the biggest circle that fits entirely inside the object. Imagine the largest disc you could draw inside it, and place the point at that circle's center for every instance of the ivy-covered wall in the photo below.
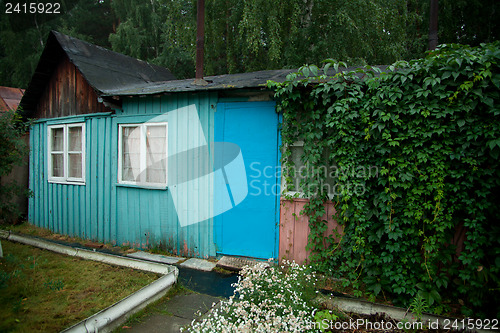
(431, 130)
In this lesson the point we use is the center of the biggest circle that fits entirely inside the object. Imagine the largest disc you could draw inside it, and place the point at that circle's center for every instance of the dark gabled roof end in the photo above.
(103, 69)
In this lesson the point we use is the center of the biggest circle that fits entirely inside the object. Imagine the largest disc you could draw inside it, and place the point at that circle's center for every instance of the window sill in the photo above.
(301, 195)
(143, 186)
(65, 182)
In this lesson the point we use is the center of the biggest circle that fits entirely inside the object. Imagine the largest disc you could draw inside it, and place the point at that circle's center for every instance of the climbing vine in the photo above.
(414, 151)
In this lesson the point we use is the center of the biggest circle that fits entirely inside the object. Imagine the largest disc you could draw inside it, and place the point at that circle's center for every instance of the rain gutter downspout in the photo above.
(200, 43)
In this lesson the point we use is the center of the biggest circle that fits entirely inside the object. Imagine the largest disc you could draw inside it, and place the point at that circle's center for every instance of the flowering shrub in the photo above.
(266, 299)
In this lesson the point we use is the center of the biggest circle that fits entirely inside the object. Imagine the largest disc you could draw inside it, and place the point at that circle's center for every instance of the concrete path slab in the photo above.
(155, 257)
(159, 323)
(237, 263)
(200, 264)
(175, 313)
(189, 305)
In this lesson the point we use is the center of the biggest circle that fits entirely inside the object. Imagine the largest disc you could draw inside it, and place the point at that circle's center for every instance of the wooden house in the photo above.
(9, 98)
(122, 153)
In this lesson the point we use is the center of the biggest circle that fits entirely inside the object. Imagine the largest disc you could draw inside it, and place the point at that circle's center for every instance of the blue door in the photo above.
(250, 228)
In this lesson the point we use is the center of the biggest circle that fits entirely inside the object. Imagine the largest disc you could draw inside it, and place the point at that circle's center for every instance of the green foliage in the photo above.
(12, 152)
(418, 152)
(323, 319)
(55, 285)
(159, 31)
(23, 36)
(251, 35)
(256, 35)
(458, 21)
(418, 306)
(244, 36)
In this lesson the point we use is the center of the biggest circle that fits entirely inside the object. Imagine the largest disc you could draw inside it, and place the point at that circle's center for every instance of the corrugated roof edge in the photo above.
(219, 82)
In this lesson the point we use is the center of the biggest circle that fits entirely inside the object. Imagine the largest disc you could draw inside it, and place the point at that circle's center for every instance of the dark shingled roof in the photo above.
(103, 69)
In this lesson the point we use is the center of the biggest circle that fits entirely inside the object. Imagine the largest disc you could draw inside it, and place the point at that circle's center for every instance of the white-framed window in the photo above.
(66, 153)
(142, 154)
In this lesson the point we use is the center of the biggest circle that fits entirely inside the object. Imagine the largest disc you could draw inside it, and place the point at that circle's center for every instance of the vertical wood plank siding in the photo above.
(68, 94)
(294, 229)
(103, 211)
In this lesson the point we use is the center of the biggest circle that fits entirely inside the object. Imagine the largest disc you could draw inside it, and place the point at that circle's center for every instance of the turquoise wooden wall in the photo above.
(105, 211)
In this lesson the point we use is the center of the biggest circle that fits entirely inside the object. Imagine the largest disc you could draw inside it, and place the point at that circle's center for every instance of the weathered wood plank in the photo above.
(67, 94)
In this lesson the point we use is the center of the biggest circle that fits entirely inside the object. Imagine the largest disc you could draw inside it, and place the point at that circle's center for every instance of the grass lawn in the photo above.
(41, 291)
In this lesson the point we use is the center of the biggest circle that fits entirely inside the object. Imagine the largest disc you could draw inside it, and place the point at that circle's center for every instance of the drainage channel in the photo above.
(210, 283)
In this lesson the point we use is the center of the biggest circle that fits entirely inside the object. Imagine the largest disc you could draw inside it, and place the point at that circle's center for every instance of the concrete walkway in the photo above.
(177, 312)
(208, 287)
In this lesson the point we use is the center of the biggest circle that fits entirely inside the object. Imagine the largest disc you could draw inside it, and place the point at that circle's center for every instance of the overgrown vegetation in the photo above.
(431, 130)
(13, 151)
(266, 299)
(286, 298)
(42, 291)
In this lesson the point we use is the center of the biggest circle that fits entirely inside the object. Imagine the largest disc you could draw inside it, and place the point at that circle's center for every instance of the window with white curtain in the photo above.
(143, 154)
(66, 153)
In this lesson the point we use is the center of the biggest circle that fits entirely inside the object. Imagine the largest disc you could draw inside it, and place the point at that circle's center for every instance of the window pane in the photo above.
(296, 153)
(327, 172)
(75, 138)
(57, 139)
(156, 154)
(75, 165)
(57, 165)
(131, 144)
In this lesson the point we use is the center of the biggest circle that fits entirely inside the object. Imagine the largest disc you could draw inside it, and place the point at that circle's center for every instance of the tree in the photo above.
(12, 152)
(257, 34)
(252, 35)
(158, 31)
(16, 70)
(247, 35)
(468, 22)
(92, 21)
(23, 36)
